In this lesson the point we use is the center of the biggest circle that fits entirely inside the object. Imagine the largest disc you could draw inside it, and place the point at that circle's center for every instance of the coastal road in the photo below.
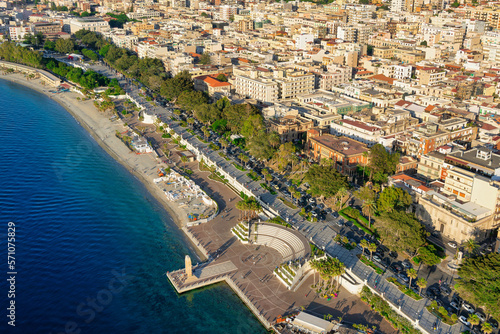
(320, 234)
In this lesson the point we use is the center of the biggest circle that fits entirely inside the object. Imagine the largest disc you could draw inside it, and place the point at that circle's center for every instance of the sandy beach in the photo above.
(143, 166)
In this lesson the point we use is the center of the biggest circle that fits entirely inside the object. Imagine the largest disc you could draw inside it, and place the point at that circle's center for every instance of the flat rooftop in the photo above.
(344, 145)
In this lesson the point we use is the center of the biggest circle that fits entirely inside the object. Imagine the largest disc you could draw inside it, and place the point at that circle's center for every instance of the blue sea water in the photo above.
(92, 245)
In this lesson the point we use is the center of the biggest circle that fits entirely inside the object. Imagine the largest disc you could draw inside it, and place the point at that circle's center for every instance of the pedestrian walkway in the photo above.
(410, 307)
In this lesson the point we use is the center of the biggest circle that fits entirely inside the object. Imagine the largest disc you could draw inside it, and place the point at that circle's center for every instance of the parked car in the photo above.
(469, 308)
(430, 295)
(463, 320)
(457, 299)
(481, 316)
(403, 277)
(406, 264)
(445, 289)
(383, 249)
(434, 290)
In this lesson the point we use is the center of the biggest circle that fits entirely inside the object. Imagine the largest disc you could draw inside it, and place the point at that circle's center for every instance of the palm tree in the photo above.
(487, 328)
(470, 246)
(473, 319)
(372, 248)
(412, 274)
(268, 177)
(365, 155)
(184, 159)
(223, 142)
(274, 139)
(206, 132)
(293, 160)
(296, 194)
(421, 283)
(242, 206)
(364, 244)
(369, 207)
(314, 266)
(243, 158)
(338, 269)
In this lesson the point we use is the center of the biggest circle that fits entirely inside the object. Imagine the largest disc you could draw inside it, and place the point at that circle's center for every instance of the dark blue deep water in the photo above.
(92, 245)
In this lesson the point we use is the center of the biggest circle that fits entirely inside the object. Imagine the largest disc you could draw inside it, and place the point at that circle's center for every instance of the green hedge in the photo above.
(355, 222)
(381, 306)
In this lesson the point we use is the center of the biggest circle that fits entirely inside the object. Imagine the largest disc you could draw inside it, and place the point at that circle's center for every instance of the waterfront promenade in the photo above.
(266, 293)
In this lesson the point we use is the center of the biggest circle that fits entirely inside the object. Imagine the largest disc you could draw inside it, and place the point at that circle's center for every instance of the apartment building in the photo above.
(459, 182)
(430, 76)
(142, 13)
(456, 217)
(292, 83)
(290, 127)
(429, 137)
(17, 33)
(479, 160)
(47, 28)
(430, 166)
(96, 24)
(360, 131)
(261, 89)
(489, 15)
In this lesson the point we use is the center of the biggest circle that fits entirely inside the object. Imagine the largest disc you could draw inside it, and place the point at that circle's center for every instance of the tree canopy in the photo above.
(401, 231)
(64, 45)
(205, 58)
(382, 163)
(325, 181)
(428, 255)
(392, 198)
(172, 88)
(479, 282)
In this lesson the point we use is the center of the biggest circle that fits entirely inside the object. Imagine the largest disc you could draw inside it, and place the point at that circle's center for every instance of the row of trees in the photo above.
(89, 79)
(248, 207)
(329, 268)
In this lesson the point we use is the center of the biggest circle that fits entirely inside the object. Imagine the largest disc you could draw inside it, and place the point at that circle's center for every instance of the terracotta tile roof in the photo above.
(381, 77)
(360, 125)
(488, 127)
(216, 83)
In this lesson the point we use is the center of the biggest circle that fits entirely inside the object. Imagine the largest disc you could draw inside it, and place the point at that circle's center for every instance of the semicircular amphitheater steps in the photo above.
(286, 242)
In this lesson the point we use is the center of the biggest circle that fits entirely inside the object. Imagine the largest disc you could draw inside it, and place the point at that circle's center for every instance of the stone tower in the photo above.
(189, 267)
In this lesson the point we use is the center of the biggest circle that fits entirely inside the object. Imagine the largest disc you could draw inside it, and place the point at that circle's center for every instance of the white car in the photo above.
(481, 316)
(463, 320)
(468, 308)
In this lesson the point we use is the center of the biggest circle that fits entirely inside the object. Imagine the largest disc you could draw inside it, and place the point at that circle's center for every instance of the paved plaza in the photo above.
(255, 265)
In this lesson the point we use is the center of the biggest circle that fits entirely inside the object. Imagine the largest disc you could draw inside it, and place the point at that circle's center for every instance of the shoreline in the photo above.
(79, 110)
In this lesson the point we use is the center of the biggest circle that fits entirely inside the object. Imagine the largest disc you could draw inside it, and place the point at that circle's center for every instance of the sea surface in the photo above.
(92, 245)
